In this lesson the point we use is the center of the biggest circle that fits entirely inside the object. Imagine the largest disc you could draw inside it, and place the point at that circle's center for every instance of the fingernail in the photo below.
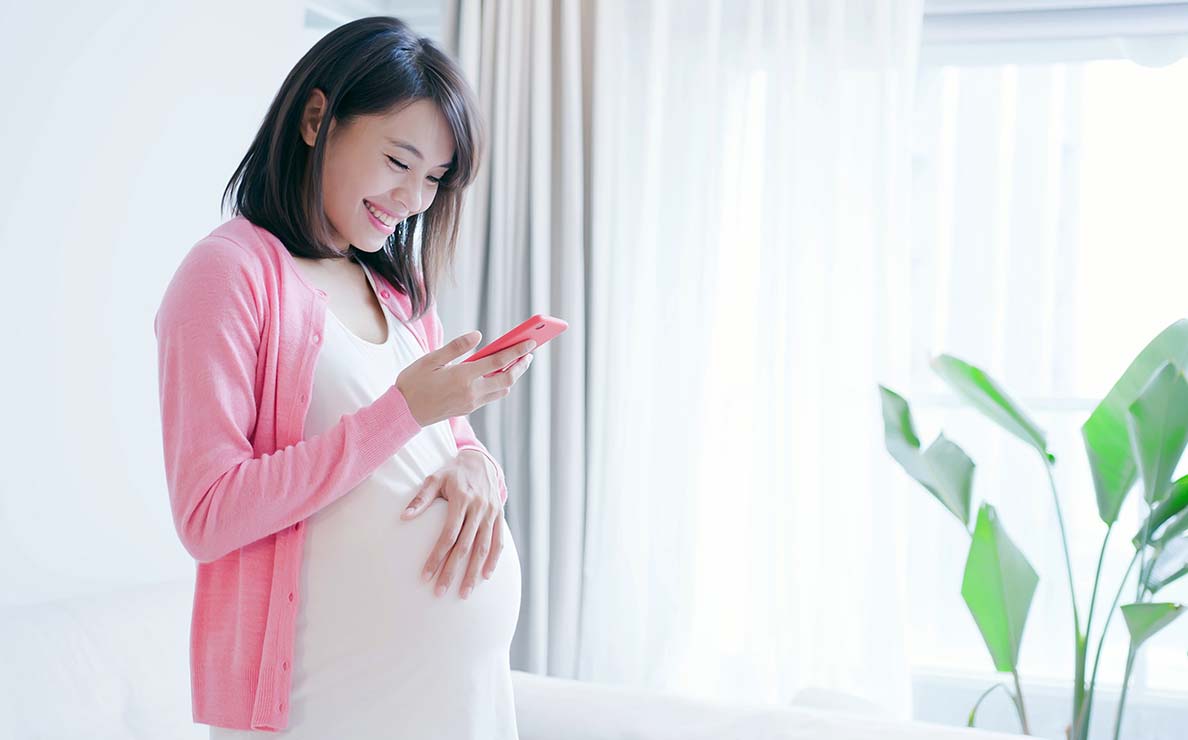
(440, 589)
(465, 592)
(426, 576)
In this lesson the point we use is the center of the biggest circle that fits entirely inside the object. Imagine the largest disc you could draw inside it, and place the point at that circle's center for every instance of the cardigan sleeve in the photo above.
(211, 379)
(464, 435)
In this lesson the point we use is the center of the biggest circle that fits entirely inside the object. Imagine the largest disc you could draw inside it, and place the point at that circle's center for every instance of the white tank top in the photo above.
(376, 653)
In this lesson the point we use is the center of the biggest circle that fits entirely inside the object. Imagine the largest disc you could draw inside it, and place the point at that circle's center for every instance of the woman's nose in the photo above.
(409, 198)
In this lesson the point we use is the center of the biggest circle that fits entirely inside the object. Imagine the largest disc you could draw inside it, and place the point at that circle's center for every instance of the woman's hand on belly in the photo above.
(471, 538)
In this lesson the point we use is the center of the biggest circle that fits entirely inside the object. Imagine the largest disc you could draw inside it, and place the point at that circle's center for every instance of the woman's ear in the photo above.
(311, 116)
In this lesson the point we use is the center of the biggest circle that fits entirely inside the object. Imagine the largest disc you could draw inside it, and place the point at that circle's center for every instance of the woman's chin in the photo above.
(372, 244)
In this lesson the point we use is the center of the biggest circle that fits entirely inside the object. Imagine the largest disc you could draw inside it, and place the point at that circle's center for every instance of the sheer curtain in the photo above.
(749, 266)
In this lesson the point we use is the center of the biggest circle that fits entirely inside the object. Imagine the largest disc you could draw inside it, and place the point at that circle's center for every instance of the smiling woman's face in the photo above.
(384, 164)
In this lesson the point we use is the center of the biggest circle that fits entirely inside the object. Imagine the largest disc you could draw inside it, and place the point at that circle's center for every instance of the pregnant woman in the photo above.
(356, 577)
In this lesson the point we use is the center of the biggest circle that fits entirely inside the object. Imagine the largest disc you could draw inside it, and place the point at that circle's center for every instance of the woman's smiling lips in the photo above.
(381, 218)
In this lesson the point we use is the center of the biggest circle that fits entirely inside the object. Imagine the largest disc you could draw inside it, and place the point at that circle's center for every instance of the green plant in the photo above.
(1136, 434)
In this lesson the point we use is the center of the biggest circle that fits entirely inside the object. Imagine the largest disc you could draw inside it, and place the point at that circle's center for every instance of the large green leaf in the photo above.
(943, 469)
(1168, 564)
(1144, 620)
(1173, 505)
(1175, 527)
(978, 388)
(998, 587)
(1158, 421)
(1106, 435)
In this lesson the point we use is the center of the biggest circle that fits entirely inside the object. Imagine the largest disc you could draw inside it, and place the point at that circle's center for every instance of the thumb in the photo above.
(457, 347)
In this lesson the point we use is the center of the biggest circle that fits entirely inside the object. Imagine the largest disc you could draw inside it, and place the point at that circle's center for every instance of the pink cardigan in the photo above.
(238, 332)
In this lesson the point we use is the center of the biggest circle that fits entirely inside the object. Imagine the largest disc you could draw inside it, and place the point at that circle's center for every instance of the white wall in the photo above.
(122, 123)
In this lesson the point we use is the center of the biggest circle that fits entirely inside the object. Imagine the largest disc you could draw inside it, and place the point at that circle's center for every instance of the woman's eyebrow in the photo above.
(412, 149)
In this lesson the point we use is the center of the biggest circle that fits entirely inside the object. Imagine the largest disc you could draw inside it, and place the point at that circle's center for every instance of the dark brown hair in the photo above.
(369, 66)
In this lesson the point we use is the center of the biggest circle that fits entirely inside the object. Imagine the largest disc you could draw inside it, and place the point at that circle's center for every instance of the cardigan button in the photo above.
(317, 338)
(301, 398)
(384, 293)
(290, 596)
(285, 665)
(281, 706)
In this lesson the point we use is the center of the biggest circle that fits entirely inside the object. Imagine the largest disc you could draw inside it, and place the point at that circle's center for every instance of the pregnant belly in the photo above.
(363, 601)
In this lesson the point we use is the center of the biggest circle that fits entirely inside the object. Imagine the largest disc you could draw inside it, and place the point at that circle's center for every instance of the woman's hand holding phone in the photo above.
(437, 390)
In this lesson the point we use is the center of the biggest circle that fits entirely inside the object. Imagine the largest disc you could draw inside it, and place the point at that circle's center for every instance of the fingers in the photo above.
(459, 553)
(520, 367)
(505, 356)
(449, 534)
(427, 492)
(456, 347)
(478, 558)
(496, 545)
(499, 384)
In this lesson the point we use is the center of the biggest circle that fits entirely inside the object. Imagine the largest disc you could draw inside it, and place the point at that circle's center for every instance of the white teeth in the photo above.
(385, 219)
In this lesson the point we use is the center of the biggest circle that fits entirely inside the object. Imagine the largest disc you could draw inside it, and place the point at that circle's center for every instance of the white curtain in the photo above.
(748, 275)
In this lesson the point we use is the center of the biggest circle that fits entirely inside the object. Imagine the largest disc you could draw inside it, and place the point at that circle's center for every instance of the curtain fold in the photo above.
(714, 195)
(524, 250)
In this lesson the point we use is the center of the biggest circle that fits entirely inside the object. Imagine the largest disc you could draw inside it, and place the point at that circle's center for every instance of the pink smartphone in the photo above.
(539, 327)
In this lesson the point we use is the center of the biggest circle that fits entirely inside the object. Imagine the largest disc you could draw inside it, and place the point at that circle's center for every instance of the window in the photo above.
(1051, 244)
(425, 17)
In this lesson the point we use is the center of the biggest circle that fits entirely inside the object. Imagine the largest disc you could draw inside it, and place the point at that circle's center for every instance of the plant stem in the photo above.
(1138, 585)
(1138, 596)
(1079, 682)
(1087, 707)
(1079, 638)
(1019, 703)
(973, 713)
(1140, 590)
(1072, 589)
(1096, 581)
(1125, 686)
(1079, 699)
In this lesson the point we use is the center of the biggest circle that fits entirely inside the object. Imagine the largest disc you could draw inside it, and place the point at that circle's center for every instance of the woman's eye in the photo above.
(403, 166)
